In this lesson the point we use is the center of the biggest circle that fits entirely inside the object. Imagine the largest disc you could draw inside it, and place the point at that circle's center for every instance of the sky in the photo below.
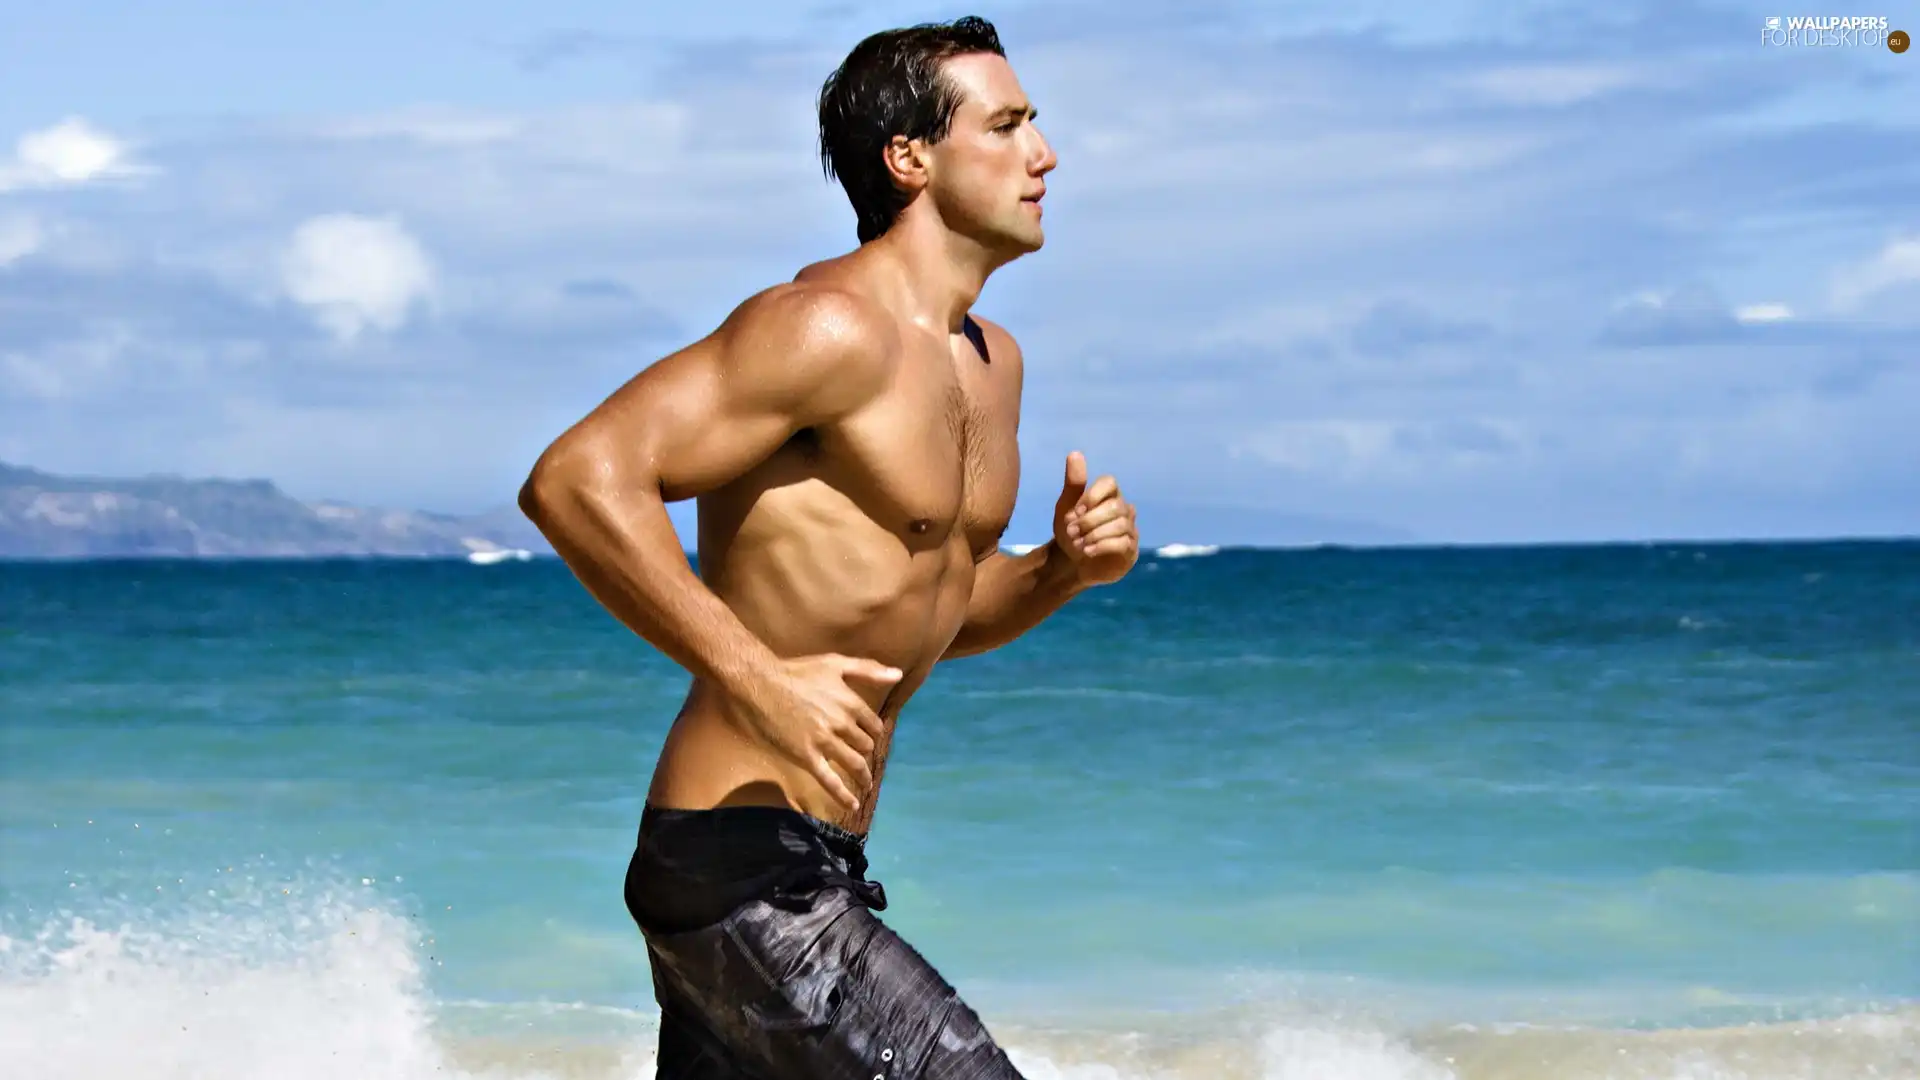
(1472, 273)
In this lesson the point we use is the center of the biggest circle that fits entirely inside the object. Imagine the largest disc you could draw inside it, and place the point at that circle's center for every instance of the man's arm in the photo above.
(1094, 543)
(789, 358)
(1012, 595)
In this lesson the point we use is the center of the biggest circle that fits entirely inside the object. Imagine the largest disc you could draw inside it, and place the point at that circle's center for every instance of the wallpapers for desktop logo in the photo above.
(1833, 31)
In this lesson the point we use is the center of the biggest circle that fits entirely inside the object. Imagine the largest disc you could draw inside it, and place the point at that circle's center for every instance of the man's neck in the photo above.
(939, 272)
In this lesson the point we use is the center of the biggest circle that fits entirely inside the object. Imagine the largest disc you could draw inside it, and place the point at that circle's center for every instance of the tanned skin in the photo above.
(851, 439)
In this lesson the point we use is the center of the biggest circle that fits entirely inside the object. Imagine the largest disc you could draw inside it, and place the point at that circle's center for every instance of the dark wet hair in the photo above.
(891, 84)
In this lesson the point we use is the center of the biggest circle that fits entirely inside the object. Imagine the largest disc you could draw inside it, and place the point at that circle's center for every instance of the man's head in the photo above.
(934, 112)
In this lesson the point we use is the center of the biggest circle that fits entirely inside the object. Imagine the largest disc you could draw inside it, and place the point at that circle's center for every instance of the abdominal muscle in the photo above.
(852, 588)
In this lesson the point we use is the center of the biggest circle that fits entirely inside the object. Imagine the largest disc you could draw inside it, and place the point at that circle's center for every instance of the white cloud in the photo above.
(437, 127)
(70, 153)
(83, 365)
(1897, 264)
(1387, 452)
(1763, 313)
(1338, 447)
(1689, 314)
(356, 273)
(1550, 84)
(20, 236)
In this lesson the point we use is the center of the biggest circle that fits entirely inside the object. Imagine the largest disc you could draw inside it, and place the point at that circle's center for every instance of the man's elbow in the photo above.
(572, 479)
(547, 486)
(968, 642)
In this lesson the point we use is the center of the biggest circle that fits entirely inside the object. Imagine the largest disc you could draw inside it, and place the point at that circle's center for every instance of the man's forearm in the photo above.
(1012, 595)
(628, 556)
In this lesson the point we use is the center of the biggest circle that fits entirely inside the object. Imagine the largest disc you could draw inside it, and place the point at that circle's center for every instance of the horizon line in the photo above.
(1212, 549)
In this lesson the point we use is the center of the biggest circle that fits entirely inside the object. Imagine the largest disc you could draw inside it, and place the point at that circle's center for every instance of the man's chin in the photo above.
(1026, 241)
(1013, 243)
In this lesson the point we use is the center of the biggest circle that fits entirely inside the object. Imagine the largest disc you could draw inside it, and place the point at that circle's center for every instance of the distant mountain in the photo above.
(44, 516)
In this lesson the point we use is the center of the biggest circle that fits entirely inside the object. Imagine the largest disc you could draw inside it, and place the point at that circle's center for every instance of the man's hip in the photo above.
(768, 959)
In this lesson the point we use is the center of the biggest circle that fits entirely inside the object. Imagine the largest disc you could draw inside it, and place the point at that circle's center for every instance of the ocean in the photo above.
(1637, 810)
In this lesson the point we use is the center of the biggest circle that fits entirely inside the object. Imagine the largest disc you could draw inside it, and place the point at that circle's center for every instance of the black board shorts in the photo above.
(770, 964)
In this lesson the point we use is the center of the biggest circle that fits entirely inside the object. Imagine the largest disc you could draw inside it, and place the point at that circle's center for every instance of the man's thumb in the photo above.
(1076, 482)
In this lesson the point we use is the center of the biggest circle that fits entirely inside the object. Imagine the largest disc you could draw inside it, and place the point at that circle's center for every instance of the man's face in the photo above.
(986, 176)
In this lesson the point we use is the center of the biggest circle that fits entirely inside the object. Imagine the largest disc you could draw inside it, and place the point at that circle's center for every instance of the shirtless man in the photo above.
(850, 437)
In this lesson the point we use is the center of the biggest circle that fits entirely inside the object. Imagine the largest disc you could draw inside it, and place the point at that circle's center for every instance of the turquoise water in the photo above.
(1645, 786)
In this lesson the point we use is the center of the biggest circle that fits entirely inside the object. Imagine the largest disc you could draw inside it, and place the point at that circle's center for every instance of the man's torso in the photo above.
(861, 539)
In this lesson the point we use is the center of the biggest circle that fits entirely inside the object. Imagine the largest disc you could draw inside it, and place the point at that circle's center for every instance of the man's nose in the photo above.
(1047, 160)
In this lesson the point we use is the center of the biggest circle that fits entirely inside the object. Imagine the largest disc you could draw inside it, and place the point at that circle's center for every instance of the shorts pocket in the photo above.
(802, 960)
(764, 973)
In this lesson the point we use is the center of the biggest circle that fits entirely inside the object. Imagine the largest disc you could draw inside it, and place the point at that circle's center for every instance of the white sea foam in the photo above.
(500, 555)
(321, 985)
(1185, 551)
(302, 982)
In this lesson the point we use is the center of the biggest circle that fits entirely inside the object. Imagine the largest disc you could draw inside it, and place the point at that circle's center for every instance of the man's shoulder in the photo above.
(814, 325)
(997, 343)
(817, 313)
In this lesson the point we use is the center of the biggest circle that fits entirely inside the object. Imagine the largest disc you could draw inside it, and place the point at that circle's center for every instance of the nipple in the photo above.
(919, 526)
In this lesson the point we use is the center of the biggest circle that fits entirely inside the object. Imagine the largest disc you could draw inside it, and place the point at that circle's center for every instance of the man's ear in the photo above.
(906, 163)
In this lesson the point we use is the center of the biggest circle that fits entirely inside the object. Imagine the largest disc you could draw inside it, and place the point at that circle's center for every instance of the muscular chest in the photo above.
(944, 462)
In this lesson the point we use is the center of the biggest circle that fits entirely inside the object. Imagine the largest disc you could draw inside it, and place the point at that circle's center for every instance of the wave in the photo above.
(328, 981)
(1185, 551)
(1309, 1047)
(327, 987)
(499, 555)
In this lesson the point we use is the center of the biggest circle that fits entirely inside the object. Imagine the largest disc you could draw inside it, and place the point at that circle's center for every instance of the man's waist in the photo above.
(746, 834)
